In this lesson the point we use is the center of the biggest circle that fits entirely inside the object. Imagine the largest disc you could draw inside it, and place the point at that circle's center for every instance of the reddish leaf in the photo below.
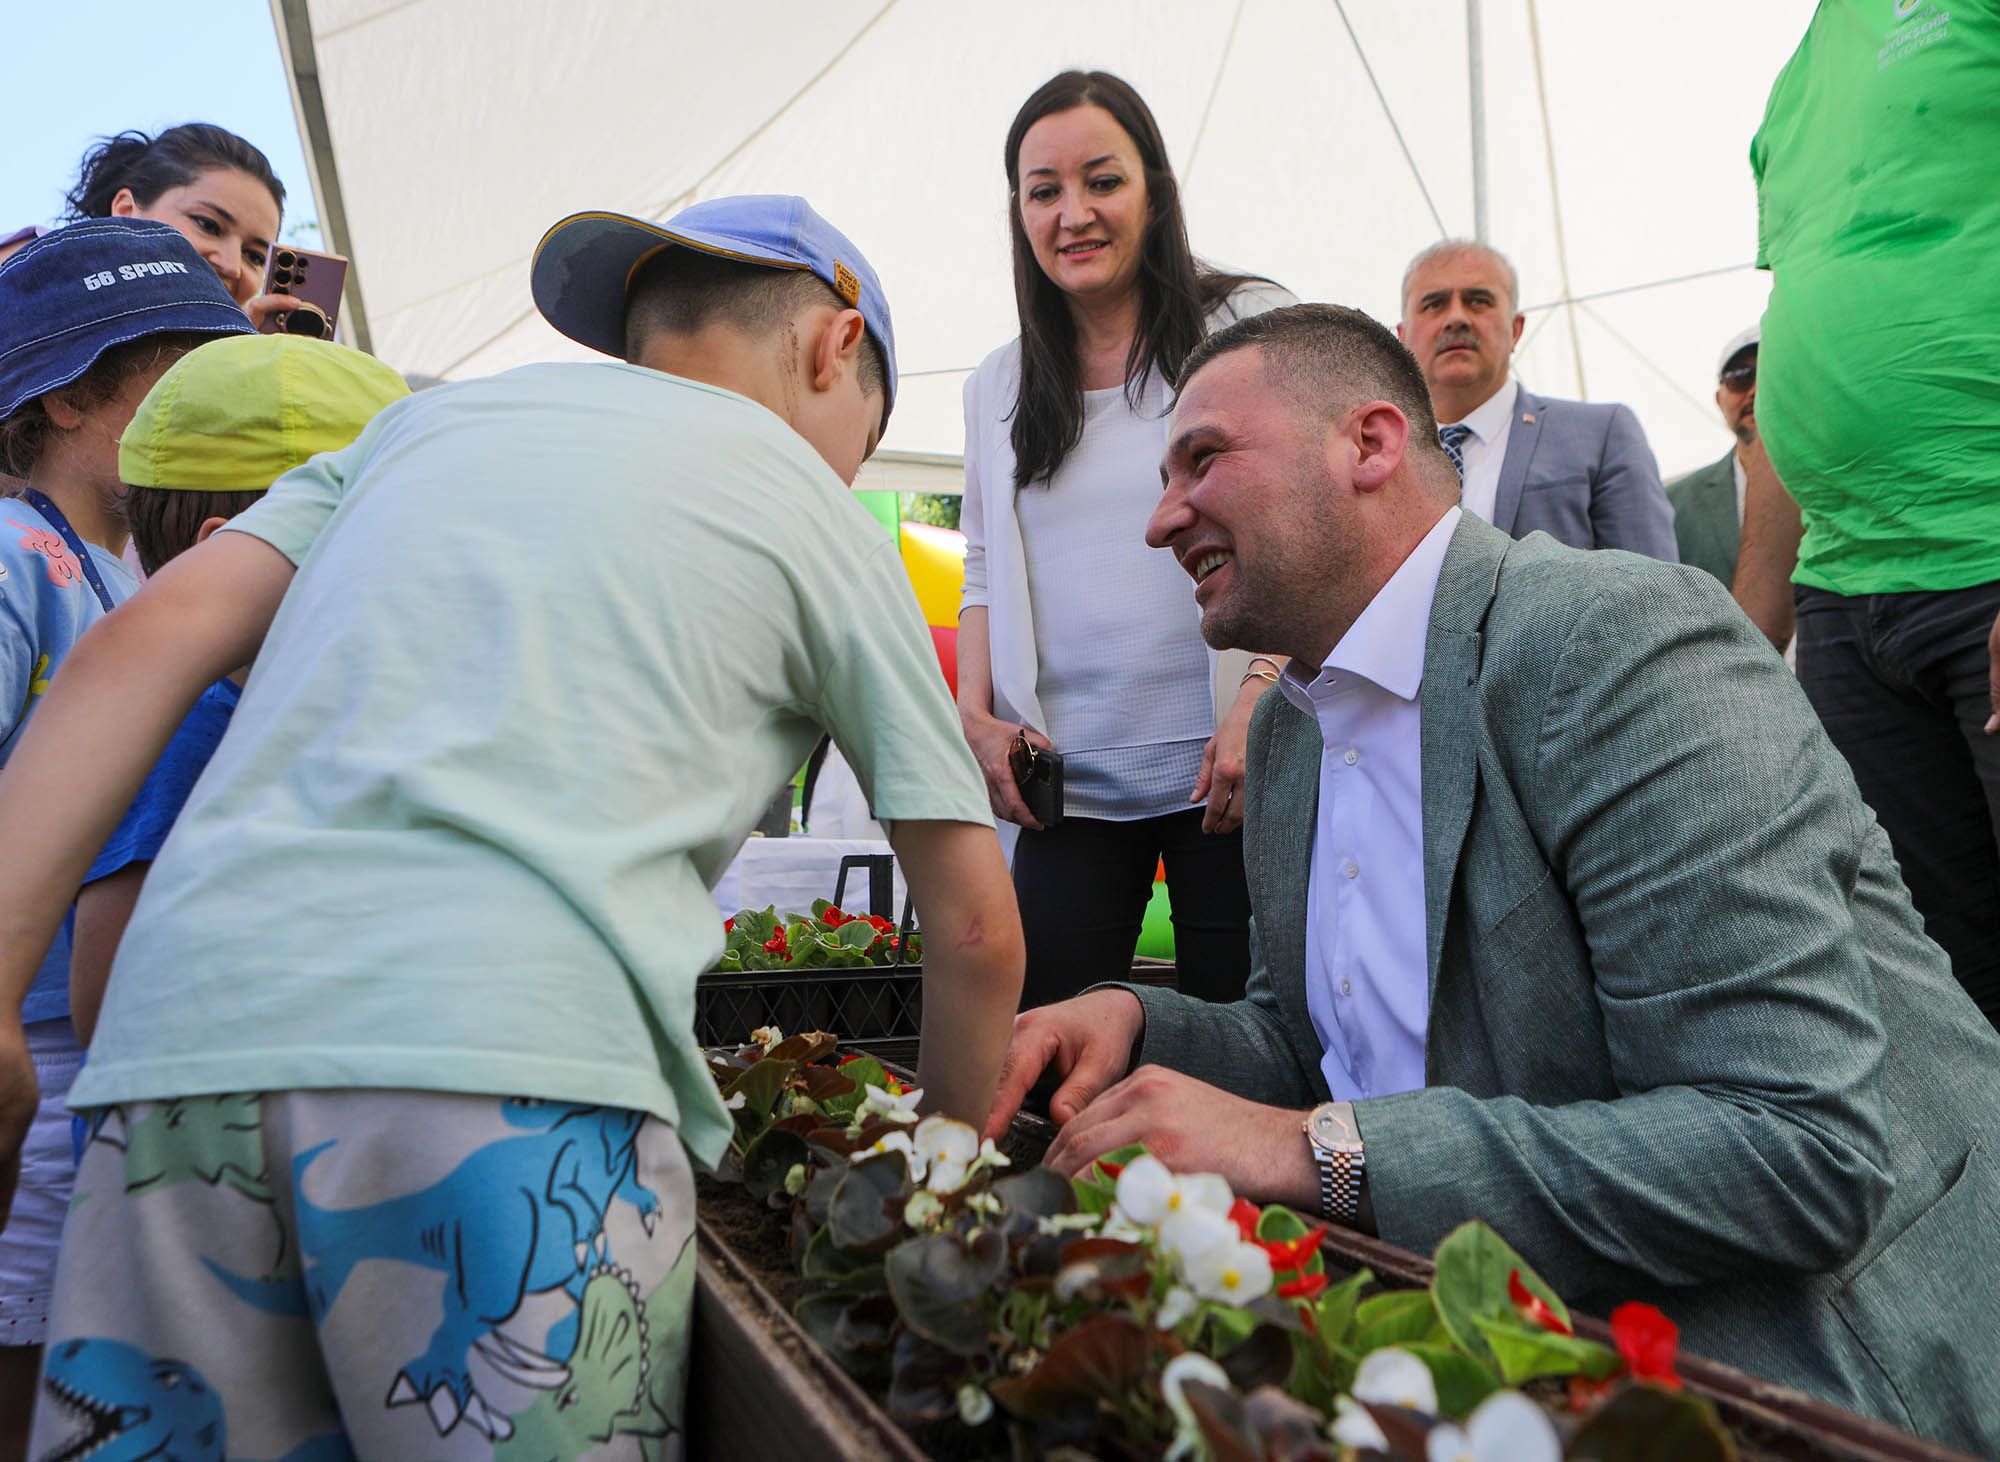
(1103, 1358)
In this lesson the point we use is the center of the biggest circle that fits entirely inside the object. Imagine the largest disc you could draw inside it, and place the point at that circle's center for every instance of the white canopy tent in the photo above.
(1319, 142)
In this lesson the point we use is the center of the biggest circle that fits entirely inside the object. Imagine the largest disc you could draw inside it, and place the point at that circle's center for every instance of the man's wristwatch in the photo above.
(1336, 1147)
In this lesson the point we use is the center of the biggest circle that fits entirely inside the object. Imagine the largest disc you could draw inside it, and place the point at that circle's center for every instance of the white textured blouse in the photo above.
(1128, 682)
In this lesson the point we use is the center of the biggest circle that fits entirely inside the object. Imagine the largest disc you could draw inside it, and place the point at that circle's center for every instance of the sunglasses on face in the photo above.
(1740, 378)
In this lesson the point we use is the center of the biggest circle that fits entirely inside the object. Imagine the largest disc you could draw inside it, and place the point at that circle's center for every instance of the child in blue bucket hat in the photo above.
(90, 317)
(421, 951)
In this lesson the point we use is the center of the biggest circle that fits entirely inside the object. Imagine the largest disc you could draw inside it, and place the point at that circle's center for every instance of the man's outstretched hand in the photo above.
(1088, 1041)
(19, 1092)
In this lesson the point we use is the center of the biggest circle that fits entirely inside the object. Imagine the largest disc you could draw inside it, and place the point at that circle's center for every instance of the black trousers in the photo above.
(1900, 683)
(1084, 885)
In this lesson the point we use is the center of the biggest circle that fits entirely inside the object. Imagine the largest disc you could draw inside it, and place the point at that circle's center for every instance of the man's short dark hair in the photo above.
(1329, 358)
(679, 291)
(166, 521)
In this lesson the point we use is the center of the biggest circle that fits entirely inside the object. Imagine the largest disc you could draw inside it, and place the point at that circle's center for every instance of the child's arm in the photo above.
(973, 959)
(103, 909)
(124, 688)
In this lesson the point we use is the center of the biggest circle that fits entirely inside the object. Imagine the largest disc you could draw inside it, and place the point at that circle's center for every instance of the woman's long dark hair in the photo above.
(151, 165)
(1175, 293)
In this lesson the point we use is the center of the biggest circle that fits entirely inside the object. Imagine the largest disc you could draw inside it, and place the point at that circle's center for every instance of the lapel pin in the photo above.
(1528, 417)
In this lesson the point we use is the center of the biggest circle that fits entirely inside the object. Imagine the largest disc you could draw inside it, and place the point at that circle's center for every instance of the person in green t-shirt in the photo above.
(1878, 402)
(408, 997)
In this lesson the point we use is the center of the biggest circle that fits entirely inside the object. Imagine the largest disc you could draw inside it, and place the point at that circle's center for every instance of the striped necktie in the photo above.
(1453, 438)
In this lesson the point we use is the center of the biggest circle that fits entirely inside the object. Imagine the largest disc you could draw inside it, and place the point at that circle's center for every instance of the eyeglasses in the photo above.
(1023, 757)
(1740, 378)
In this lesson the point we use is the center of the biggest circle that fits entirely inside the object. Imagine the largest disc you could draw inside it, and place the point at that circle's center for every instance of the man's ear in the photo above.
(208, 526)
(1519, 321)
(836, 348)
(1381, 436)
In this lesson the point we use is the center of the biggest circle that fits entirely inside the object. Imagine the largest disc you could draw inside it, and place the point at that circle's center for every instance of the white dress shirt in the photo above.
(1486, 448)
(1367, 970)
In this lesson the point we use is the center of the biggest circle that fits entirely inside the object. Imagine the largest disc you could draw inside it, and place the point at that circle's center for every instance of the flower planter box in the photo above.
(759, 1384)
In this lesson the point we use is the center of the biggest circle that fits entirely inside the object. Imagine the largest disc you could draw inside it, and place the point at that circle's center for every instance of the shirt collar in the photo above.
(1489, 416)
(1385, 646)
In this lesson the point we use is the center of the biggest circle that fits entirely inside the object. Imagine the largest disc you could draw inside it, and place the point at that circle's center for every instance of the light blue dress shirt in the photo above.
(1367, 985)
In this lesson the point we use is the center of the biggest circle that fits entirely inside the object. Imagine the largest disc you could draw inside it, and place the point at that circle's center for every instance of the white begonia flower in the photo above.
(1354, 1427)
(893, 1142)
(1073, 1279)
(1117, 1224)
(1189, 1365)
(796, 1178)
(924, 1208)
(990, 1156)
(984, 1203)
(1176, 1307)
(1065, 1223)
(1234, 1273)
(947, 1149)
(735, 1102)
(878, 1101)
(1148, 1193)
(1393, 1377)
(975, 1407)
(1189, 1234)
(1505, 1427)
(766, 1036)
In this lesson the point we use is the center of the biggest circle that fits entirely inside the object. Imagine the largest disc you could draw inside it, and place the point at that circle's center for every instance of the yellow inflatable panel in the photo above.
(935, 560)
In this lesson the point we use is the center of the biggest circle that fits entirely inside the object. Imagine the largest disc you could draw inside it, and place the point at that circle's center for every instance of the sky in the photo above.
(80, 69)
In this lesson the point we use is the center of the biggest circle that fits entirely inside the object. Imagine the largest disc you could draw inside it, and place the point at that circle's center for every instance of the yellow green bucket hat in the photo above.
(236, 414)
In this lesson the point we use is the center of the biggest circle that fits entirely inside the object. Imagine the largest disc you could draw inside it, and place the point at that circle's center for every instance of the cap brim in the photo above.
(584, 266)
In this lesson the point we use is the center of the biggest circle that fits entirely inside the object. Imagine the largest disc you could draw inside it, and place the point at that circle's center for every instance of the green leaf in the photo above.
(1400, 1317)
(767, 1160)
(1643, 1423)
(1462, 1381)
(857, 934)
(1523, 1351)
(1333, 1317)
(828, 1263)
(1473, 1265)
(864, 1072)
(939, 1283)
(1095, 1192)
(759, 1086)
(820, 906)
(867, 1208)
(1032, 1193)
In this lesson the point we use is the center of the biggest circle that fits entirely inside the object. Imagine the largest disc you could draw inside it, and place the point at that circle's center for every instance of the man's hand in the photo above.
(1993, 677)
(1088, 1040)
(19, 1092)
(1193, 1127)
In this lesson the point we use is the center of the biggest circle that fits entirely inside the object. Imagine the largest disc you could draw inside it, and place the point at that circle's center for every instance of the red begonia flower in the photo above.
(1293, 1253)
(1647, 1339)
(1534, 1309)
(1585, 1393)
(728, 926)
(1109, 1168)
(1244, 1214)
(1305, 1287)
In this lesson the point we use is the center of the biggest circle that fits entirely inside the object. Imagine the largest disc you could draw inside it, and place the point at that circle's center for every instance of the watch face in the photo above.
(1333, 1125)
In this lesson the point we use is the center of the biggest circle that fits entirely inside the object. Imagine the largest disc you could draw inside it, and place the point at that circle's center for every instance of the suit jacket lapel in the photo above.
(1451, 720)
(1292, 773)
(1521, 438)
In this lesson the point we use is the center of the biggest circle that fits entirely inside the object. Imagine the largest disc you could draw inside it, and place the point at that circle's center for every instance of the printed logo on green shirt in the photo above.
(1905, 8)
(1907, 39)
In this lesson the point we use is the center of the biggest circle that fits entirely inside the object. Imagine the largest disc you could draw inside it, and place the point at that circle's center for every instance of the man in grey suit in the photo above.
(1583, 474)
(1567, 917)
(1708, 502)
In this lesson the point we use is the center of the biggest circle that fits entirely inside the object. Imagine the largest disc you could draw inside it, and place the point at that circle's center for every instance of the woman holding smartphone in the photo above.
(1074, 634)
(204, 180)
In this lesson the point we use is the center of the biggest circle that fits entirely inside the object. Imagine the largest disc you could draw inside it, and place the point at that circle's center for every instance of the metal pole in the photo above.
(1475, 69)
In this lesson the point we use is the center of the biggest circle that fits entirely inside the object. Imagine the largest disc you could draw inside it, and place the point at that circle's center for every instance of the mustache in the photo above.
(1456, 335)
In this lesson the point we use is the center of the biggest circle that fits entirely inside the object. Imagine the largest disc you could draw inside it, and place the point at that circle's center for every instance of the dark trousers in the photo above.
(1900, 683)
(1084, 885)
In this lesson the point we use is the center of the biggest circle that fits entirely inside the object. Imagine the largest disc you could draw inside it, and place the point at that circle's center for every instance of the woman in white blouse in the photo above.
(1071, 628)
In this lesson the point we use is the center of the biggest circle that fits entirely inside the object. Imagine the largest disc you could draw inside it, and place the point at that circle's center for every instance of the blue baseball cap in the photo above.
(76, 292)
(585, 264)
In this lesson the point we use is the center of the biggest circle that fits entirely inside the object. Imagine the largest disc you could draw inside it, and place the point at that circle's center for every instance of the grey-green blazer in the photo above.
(1688, 1042)
(1705, 522)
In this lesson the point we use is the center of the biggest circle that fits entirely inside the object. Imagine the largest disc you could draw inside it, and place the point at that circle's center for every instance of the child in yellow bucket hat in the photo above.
(209, 439)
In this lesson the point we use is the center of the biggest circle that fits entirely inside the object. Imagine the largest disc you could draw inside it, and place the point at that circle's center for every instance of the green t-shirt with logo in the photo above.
(1878, 393)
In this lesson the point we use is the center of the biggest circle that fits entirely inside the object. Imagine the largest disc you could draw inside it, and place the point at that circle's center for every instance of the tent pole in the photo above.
(1475, 67)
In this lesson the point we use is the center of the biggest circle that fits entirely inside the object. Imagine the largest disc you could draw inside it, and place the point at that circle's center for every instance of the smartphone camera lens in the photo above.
(281, 276)
(309, 321)
(286, 258)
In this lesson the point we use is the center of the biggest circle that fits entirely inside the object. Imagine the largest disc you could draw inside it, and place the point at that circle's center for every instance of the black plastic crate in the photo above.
(861, 1006)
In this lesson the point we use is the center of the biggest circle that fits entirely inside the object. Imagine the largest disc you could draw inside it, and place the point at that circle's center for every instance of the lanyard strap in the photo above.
(39, 501)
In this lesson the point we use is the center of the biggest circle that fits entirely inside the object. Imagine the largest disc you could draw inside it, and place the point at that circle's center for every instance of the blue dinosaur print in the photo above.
(126, 1406)
(518, 1217)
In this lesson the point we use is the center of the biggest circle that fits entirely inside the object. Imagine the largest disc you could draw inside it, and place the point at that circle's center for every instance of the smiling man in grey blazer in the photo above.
(1581, 473)
(1567, 917)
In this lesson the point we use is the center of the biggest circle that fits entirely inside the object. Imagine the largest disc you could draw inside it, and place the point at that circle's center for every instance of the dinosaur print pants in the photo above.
(328, 1275)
